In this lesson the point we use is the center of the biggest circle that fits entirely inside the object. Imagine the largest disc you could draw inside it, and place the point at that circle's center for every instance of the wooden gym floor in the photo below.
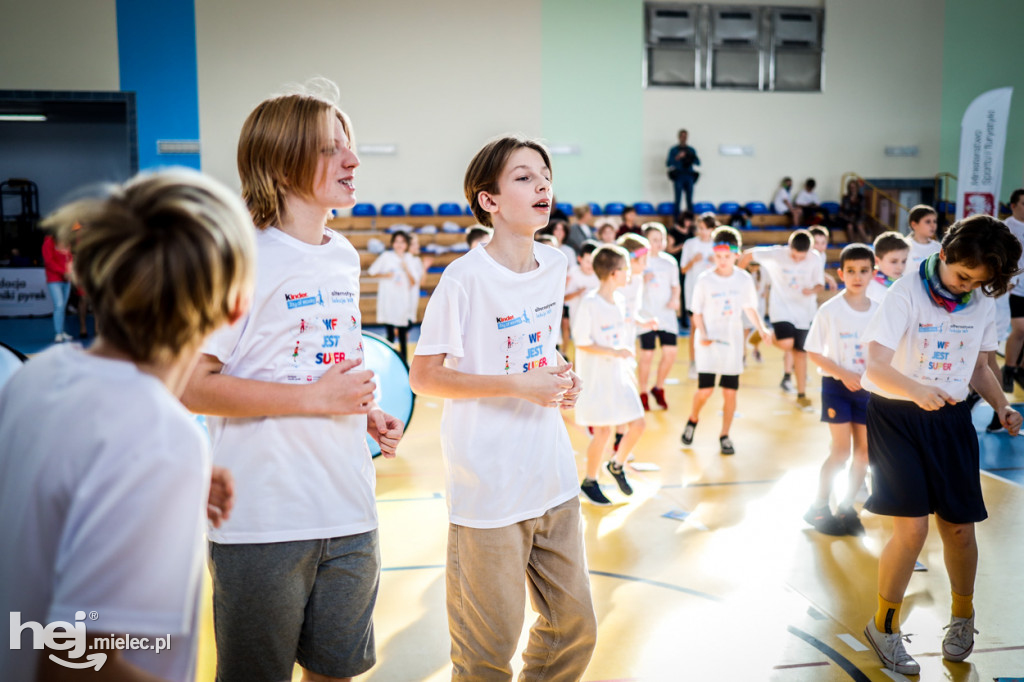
(740, 588)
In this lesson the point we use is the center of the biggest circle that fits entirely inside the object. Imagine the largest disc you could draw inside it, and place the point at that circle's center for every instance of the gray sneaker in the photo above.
(688, 432)
(959, 640)
(889, 648)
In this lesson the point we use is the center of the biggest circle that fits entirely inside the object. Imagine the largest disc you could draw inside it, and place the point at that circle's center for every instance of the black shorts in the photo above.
(840, 405)
(924, 462)
(786, 330)
(648, 339)
(1016, 306)
(730, 381)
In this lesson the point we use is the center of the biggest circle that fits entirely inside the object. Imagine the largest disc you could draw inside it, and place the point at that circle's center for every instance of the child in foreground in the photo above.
(105, 479)
(928, 341)
(835, 345)
(487, 346)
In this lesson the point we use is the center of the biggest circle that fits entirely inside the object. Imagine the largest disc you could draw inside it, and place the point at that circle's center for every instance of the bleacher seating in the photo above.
(421, 209)
(728, 207)
(666, 208)
(831, 207)
(449, 208)
(756, 208)
(644, 208)
(392, 210)
(364, 210)
(614, 208)
(565, 208)
(595, 209)
(703, 207)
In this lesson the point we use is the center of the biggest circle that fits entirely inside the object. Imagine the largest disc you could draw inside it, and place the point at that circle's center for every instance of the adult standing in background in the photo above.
(680, 162)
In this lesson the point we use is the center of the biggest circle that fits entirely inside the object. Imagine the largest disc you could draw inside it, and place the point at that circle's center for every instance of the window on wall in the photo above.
(719, 47)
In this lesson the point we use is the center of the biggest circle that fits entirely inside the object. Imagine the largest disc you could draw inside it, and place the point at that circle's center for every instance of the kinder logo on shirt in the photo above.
(930, 328)
(511, 320)
(849, 336)
(300, 300)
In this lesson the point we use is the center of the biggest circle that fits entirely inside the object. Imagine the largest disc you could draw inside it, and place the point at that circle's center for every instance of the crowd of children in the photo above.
(288, 487)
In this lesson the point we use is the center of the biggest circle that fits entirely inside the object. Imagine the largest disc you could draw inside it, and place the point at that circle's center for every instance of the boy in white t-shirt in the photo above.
(105, 479)
(487, 346)
(928, 341)
(661, 303)
(820, 237)
(295, 571)
(720, 299)
(797, 277)
(835, 345)
(581, 279)
(782, 202)
(891, 252)
(696, 257)
(924, 221)
(605, 358)
(398, 274)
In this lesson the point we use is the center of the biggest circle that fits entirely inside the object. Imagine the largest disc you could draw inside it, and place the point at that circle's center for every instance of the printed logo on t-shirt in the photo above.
(506, 321)
(545, 310)
(342, 297)
(926, 328)
(301, 299)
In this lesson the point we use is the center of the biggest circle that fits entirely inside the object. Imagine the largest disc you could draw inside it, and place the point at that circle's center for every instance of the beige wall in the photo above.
(59, 45)
(883, 86)
(436, 78)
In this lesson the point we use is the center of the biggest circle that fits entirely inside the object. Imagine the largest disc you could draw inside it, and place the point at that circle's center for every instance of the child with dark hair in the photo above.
(923, 222)
(834, 343)
(398, 275)
(928, 341)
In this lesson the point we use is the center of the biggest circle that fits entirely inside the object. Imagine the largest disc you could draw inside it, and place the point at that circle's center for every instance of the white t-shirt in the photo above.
(876, 291)
(918, 252)
(416, 265)
(721, 301)
(837, 333)
(582, 282)
(782, 200)
(805, 198)
(786, 302)
(301, 477)
(506, 459)
(692, 247)
(610, 395)
(104, 478)
(932, 346)
(660, 277)
(633, 295)
(1017, 228)
(570, 253)
(394, 291)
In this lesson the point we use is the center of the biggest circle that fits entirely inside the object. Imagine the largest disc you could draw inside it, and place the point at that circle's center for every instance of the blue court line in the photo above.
(837, 658)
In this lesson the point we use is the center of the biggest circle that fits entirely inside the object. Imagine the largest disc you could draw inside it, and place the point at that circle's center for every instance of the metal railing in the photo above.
(882, 209)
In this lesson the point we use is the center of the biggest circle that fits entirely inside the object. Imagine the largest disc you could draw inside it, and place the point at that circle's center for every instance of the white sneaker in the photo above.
(889, 648)
(692, 374)
(59, 338)
(959, 640)
(67, 337)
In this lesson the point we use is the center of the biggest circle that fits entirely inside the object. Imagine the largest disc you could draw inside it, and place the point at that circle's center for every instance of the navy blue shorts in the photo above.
(924, 462)
(840, 405)
(648, 339)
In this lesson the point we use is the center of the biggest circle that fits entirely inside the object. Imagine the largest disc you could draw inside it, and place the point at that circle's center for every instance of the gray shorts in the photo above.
(309, 601)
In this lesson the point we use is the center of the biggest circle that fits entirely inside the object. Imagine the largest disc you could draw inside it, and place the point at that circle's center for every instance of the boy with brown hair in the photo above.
(891, 253)
(487, 346)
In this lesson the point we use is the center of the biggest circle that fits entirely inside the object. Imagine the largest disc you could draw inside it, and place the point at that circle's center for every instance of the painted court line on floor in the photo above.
(852, 642)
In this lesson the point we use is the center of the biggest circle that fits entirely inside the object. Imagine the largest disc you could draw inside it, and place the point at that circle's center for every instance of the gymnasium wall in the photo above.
(436, 79)
(982, 50)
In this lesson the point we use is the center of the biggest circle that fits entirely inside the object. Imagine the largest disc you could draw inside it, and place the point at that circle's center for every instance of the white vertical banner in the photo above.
(982, 142)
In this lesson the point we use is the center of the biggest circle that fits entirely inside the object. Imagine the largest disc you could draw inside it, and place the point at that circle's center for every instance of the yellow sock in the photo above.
(963, 606)
(887, 617)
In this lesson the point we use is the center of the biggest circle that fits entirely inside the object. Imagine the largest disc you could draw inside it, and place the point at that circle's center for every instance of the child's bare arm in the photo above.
(598, 349)
(888, 378)
(339, 391)
(850, 379)
(545, 386)
(989, 388)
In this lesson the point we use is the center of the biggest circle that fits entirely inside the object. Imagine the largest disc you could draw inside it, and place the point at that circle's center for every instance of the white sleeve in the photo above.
(989, 338)
(763, 254)
(891, 321)
(749, 293)
(380, 265)
(818, 276)
(697, 298)
(443, 326)
(221, 344)
(582, 325)
(131, 548)
(816, 341)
